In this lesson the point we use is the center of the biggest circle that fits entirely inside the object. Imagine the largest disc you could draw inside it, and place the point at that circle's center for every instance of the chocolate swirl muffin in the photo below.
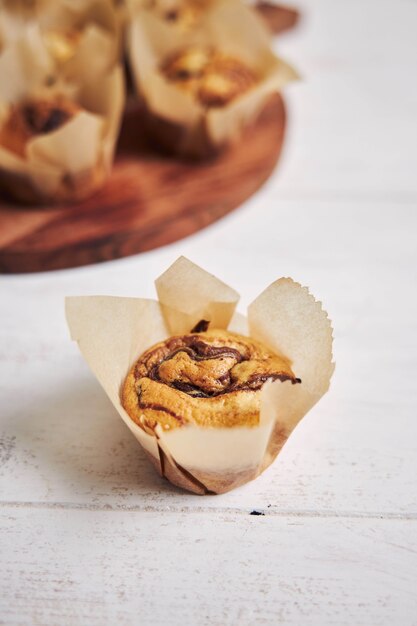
(213, 78)
(32, 118)
(209, 378)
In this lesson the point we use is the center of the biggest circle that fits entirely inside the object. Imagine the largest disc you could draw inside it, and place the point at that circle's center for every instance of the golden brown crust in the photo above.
(213, 78)
(32, 118)
(211, 378)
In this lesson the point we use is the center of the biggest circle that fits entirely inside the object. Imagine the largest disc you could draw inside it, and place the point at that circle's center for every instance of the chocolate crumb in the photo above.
(201, 326)
(42, 120)
(172, 15)
(255, 512)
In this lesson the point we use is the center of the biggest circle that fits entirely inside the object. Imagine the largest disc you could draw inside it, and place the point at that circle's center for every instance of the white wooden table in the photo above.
(89, 533)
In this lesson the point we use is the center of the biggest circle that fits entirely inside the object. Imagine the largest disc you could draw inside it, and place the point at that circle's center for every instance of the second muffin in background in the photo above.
(201, 88)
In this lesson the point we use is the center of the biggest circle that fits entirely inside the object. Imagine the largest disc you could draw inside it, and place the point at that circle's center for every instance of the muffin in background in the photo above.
(203, 87)
(57, 137)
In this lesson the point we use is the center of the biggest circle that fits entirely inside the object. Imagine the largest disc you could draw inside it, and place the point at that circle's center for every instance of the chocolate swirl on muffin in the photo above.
(210, 378)
(32, 118)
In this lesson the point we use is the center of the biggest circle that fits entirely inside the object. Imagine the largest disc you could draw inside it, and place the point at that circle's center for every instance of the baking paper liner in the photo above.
(96, 22)
(194, 11)
(98, 46)
(113, 332)
(11, 24)
(176, 117)
(73, 161)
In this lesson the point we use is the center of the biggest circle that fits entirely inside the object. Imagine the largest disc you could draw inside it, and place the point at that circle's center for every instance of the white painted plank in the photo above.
(352, 462)
(353, 119)
(102, 568)
(354, 453)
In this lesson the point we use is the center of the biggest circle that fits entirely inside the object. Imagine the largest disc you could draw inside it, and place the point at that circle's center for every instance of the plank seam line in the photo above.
(385, 515)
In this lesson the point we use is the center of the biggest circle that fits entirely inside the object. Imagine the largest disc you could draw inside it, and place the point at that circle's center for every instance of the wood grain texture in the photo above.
(150, 200)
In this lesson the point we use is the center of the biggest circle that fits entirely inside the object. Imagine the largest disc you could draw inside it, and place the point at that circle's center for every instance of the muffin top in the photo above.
(215, 79)
(210, 378)
(34, 117)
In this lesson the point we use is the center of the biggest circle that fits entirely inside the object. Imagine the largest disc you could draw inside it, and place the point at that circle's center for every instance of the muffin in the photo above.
(57, 135)
(203, 87)
(212, 408)
(210, 378)
(213, 78)
(35, 117)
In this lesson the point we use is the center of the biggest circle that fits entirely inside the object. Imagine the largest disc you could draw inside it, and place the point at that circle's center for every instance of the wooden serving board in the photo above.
(150, 199)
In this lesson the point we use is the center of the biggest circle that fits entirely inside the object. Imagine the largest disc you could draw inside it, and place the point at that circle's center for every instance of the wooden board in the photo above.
(150, 200)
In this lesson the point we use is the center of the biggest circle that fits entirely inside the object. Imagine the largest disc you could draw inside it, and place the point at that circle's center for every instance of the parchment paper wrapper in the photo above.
(95, 22)
(113, 332)
(24, 10)
(73, 161)
(13, 19)
(176, 119)
(98, 46)
(181, 15)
